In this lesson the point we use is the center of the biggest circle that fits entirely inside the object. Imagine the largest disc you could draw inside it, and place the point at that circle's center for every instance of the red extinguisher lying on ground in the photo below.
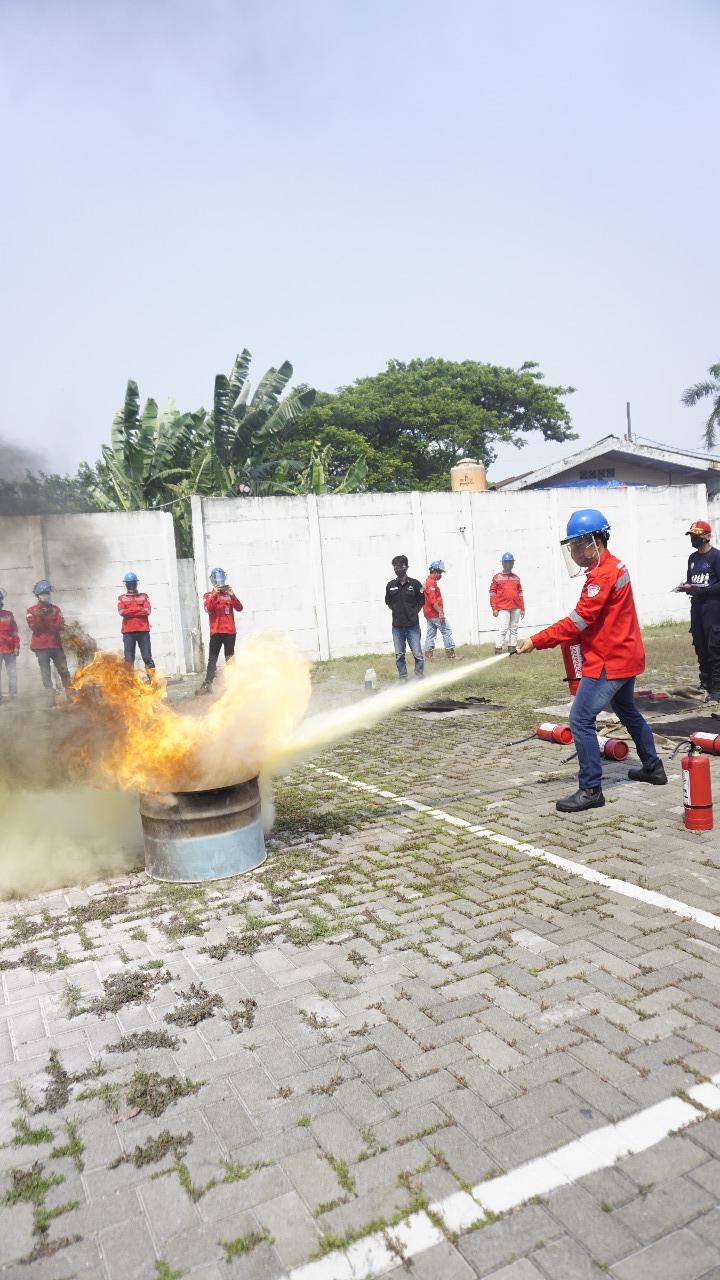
(709, 743)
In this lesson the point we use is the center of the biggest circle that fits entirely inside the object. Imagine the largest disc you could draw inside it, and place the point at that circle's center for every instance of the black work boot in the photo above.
(204, 688)
(656, 775)
(585, 798)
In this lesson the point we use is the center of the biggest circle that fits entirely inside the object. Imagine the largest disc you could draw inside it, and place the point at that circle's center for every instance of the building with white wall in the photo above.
(614, 460)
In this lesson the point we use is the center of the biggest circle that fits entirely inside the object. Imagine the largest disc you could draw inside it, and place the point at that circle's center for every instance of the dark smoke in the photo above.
(16, 462)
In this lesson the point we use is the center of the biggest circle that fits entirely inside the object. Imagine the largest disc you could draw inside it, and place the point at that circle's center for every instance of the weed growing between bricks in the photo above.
(197, 1005)
(143, 1040)
(243, 1018)
(30, 1186)
(244, 1244)
(153, 1093)
(121, 989)
(155, 1149)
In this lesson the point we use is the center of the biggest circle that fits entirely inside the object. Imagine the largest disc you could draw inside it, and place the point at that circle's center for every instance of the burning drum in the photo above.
(202, 835)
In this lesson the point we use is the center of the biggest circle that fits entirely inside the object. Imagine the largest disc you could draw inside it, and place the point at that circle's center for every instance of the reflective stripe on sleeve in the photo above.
(622, 581)
(579, 622)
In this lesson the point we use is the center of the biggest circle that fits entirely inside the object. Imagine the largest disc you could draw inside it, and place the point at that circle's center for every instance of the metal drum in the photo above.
(202, 835)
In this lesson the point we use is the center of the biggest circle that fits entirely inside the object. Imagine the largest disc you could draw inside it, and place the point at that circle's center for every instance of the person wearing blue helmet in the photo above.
(134, 608)
(605, 624)
(507, 604)
(434, 613)
(46, 623)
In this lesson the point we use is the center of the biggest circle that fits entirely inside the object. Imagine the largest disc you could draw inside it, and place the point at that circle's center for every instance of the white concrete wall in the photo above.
(317, 567)
(85, 557)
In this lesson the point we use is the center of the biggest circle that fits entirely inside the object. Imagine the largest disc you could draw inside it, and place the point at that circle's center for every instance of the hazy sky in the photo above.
(339, 182)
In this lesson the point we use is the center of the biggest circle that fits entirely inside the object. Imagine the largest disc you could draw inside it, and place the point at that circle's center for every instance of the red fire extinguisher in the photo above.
(554, 732)
(697, 791)
(612, 748)
(707, 742)
(572, 657)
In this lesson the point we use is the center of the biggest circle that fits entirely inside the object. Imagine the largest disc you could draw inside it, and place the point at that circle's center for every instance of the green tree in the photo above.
(413, 421)
(43, 495)
(707, 389)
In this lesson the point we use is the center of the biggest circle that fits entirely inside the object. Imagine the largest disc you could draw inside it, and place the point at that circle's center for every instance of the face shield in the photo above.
(581, 554)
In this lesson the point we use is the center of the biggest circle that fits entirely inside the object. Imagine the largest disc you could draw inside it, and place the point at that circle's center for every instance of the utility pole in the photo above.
(629, 423)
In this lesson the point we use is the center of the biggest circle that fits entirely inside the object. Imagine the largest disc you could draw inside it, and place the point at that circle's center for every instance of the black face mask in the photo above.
(697, 540)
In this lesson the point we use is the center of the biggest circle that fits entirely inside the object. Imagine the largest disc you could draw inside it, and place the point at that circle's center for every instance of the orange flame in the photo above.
(142, 743)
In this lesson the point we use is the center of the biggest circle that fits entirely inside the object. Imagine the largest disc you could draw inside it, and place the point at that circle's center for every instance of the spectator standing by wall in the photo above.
(703, 587)
(221, 604)
(134, 608)
(404, 598)
(9, 647)
(434, 612)
(507, 604)
(45, 621)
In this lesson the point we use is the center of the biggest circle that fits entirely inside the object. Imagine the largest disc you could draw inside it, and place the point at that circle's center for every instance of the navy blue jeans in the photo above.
(411, 636)
(592, 697)
(142, 640)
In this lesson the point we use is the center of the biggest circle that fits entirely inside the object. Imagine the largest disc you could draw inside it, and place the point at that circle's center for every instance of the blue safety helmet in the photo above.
(42, 588)
(130, 577)
(437, 566)
(218, 576)
(508, 555)
(587, 520)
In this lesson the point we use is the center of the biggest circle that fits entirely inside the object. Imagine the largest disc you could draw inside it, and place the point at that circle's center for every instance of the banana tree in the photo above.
(147, 451)
(316, 477)
(245, 430)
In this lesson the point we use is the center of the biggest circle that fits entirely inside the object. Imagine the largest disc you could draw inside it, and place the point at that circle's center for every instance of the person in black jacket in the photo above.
(703, 587)
(404, 598)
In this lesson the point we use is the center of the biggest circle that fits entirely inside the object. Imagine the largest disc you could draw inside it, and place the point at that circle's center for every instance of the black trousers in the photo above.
(217, 643)
(57, 657)
(705, 632)
(142, 640)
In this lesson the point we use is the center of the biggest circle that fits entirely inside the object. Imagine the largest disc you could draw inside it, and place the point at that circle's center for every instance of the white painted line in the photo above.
(622, 887)
(374, 1256)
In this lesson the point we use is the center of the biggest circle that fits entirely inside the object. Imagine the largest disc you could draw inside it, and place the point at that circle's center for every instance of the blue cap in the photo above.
(437, 565)
(217, 575)
(42, 588)
(130, 577)
(587, 520)
(508, 555)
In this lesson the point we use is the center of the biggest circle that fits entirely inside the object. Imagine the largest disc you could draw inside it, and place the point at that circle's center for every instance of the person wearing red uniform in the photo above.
(605, 624)
(9, 647)
(507, 604)
(434, 612)
(220, 604)
(134, 609)
(46, 622)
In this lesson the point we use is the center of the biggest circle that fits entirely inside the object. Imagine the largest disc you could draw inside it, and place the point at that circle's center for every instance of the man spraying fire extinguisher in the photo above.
(605, 624)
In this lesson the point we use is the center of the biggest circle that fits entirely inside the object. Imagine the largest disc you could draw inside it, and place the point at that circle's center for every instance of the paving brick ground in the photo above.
(402, 1010)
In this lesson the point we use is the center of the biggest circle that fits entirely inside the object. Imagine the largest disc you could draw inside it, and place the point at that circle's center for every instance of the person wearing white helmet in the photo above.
(434, 613)
(220, 604)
